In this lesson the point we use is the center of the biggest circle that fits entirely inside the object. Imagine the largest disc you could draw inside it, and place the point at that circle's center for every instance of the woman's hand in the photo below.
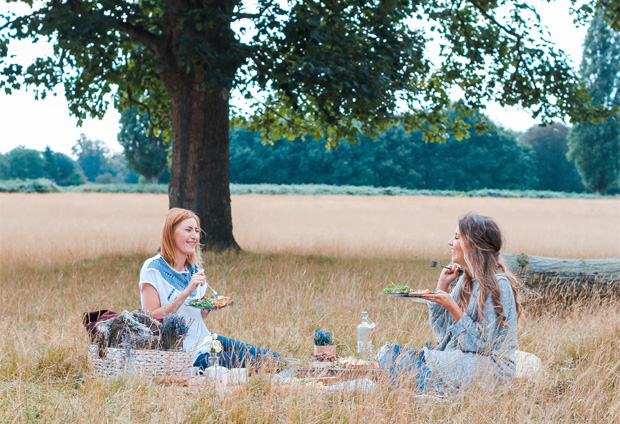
(448, 276)
(198, 279)
(446, 301)
(204, 313)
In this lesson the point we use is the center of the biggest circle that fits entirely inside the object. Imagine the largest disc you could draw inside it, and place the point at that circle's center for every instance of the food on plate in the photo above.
(353, 363)
(222, 301)
(393, 288)
(212, 302)
(322, 361)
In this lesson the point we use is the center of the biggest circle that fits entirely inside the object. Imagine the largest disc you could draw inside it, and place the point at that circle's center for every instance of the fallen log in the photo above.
(541, 272)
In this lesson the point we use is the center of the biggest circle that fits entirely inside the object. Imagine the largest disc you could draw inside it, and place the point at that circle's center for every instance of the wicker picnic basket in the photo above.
(143, 363)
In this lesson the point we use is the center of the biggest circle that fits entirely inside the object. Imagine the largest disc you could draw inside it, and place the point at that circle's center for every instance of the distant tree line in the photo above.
(22, 163)
(94, 163)
(497, 159)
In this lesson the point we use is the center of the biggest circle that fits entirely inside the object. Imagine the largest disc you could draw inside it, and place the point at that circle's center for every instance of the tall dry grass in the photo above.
(281, 297)
(74, 226)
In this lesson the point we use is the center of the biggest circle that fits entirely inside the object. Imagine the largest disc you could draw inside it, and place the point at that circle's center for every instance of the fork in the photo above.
(435, 264)
(214, 292)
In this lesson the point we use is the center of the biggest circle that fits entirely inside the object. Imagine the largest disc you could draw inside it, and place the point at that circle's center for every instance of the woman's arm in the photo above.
(446, 301)
(151, 302)
(440, 318)
(485, 334)
(441, 297)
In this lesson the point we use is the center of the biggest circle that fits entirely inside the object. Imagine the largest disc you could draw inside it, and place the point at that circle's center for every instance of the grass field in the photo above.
(310, 262)
(73, 226)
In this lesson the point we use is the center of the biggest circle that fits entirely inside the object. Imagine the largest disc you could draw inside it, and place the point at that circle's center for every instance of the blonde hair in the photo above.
(168, 249)
(482, 242)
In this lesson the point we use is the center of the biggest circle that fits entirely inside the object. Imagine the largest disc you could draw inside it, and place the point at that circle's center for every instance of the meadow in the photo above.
(308, 262)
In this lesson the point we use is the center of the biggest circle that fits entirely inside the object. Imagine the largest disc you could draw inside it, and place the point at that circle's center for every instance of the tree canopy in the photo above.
(145, 152)
(91, 155)
(553, 169)
(61, 168)
(331, 69)
(595, 146)
(25, 163)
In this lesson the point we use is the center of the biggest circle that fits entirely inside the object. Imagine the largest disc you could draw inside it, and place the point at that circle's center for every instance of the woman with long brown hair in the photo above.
(174, 277)
(475, 325)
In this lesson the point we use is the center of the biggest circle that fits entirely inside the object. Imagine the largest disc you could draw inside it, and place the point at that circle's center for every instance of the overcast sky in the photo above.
(36, 124)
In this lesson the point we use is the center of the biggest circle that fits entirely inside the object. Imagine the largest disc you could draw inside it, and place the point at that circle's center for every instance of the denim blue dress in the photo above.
(471, 351)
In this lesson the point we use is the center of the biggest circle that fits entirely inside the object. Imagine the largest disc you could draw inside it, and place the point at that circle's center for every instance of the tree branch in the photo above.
(253, 15)
(140, 35)
(493, 20)
(133, 100)
(246, 15)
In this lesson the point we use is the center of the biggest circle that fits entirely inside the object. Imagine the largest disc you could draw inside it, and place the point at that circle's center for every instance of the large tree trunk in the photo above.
(199, 175)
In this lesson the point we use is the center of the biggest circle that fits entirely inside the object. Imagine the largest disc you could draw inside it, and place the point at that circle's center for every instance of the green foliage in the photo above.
(322, 189)
(395, 158)
(331, 70)
(553, 169)
(118, 188)
(115, 171)
(608, 9)
(91, 155)
(40, 185)
(596, 152)
(98, 165)
(29, 164)
(595, 146)
(5, 169)
(103, 168)
(25, 163)
(315, 189)
(61, 168)
(146, 154)
(348, 64)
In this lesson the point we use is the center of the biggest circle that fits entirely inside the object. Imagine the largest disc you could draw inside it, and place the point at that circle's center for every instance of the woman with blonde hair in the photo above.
(475, 325)
(171, 279)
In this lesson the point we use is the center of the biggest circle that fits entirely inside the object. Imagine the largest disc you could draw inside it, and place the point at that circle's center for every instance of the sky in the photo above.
(37, 124)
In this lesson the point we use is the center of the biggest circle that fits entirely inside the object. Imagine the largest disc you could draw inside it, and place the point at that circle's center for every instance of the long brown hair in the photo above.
(173, 218)
(482, 242)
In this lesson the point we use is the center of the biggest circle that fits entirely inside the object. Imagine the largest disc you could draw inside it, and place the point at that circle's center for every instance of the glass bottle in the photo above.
(213, 360)
(364, 344)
